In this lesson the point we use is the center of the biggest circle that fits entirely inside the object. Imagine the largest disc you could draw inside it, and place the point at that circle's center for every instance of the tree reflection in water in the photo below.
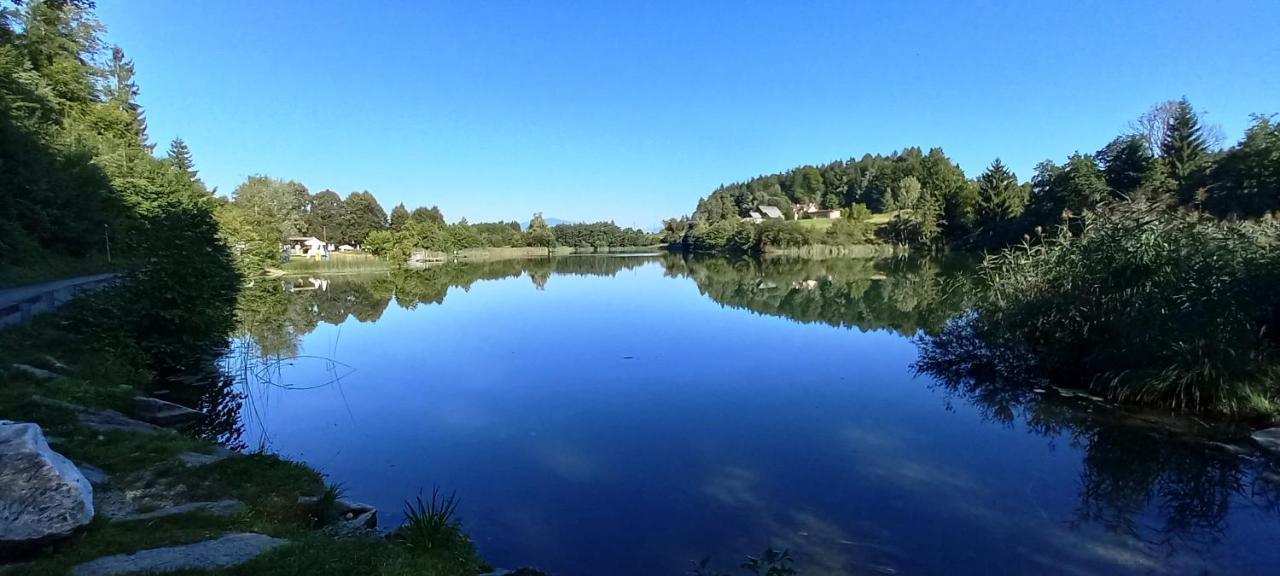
(1153, 477)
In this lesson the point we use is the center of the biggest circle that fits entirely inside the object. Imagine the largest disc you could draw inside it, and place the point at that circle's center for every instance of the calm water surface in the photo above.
(625, 415)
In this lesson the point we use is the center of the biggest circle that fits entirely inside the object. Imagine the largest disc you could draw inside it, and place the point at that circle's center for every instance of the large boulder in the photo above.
(43, 496)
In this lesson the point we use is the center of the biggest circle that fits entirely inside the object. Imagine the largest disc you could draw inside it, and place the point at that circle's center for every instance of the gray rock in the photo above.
(42, 494)
(55, 364)
(227, 551)
(39, 373)
(103, 420)
(112, 421)
(1269, 439)
(353, 518)
(93, 474)
(197, 459)
(157, 411)
(218, 508)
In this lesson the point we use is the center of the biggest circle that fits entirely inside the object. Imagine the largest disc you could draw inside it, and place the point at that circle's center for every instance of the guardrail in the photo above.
(19, 305)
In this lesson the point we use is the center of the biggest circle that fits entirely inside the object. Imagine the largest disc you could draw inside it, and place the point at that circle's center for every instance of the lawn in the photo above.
(822, 224)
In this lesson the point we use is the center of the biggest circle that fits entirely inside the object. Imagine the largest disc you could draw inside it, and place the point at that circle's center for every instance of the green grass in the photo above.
(879, 219)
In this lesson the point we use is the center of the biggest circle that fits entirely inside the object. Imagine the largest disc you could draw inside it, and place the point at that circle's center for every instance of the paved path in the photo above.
(17, 304)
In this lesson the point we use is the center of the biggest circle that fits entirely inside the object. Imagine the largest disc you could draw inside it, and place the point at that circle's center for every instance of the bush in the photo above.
(1147, 304)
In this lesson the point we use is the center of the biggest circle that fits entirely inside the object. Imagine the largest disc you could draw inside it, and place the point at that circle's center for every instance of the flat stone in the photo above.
(112, 421)
(157, 411)
(224, 552)
(1269, 439)
(39, 373)
(103, 420)
(218, 508)
(43, 496)
(197, 459)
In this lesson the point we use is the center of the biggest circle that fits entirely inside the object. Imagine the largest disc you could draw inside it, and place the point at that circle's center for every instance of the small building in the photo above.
(833, 214)
(346, 248)
(307, 246)
(770, 212)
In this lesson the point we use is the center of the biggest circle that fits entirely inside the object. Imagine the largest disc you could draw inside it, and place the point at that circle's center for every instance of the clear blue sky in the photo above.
(632, 110)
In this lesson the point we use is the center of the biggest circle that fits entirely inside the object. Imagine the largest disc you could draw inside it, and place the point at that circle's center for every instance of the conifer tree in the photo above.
(1184, 148)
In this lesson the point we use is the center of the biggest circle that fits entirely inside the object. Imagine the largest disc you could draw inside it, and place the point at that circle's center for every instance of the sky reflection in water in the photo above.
(627, 415)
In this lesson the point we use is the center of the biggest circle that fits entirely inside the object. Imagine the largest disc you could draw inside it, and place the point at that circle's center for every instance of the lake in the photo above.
(629, 414)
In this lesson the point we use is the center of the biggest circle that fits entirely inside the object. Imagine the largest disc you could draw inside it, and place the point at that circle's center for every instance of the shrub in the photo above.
(1146, 304)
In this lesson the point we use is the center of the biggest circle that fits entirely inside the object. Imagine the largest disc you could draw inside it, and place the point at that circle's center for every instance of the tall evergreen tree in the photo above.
(999, 195)
(1184, 149)
(124, 92)
(179, 157)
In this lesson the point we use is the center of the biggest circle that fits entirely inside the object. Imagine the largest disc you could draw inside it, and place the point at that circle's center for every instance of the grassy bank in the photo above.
(98, 375)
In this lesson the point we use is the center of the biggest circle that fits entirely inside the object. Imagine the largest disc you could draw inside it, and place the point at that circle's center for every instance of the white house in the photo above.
(307, 246)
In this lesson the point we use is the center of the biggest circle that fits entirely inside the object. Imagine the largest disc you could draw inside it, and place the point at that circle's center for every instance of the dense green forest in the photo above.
(1168, 155)
(82, 186)
(268, 210)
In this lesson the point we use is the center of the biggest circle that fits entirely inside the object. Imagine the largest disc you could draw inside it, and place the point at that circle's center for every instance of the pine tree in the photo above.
(124, 92)
(180, 158)
(1184, 149)
(999, 196)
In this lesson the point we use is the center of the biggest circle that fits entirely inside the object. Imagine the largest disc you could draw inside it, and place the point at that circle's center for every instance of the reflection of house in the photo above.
(307, 246)
(804, 284)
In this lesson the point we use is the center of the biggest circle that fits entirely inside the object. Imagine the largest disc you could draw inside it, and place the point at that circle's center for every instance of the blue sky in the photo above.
(630, 111)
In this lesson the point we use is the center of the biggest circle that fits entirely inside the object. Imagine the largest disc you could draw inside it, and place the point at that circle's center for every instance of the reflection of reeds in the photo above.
(255, 374)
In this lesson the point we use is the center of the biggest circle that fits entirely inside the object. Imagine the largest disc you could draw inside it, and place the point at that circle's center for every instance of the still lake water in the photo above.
(626, 415)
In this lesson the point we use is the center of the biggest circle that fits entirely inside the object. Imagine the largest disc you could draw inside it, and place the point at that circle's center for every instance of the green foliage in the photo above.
(273, 204)
(1184, 150)
(1247, 178)
(399, 216)
(361, 214)
(432, 532)
(1143, 303)
(325, 216)
(849, 231)
(600, 235)
(1127, 163)
(432, 524)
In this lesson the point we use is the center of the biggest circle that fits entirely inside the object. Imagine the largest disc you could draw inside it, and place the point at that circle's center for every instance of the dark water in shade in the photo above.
(607, 415)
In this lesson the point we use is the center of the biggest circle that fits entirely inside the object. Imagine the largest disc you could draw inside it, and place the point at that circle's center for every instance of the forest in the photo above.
(1168, 156)
(82, 187)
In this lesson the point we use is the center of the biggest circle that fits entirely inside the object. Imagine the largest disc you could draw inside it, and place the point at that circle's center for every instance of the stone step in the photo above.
(217, 508)
(224, 552)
